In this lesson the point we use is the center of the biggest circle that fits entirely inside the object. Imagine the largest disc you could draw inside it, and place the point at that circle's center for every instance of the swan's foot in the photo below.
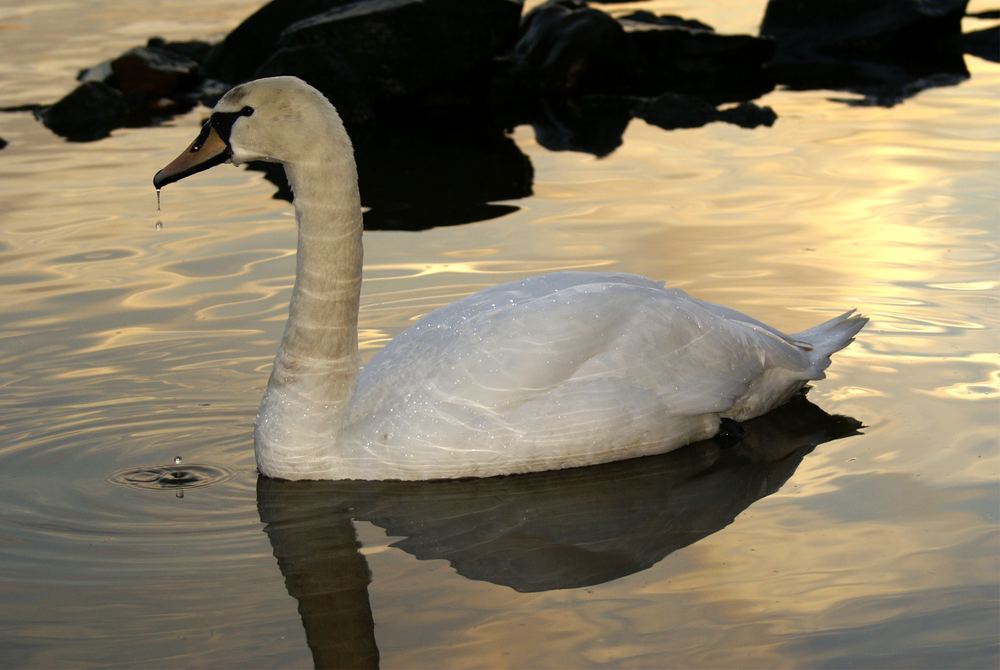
(730, 433)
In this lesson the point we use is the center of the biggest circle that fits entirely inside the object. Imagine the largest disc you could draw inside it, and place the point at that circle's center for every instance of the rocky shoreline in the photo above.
(430, 88)
(386, 62)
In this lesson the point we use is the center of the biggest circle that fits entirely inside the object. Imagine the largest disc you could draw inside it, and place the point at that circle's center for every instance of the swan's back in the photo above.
(563, 370)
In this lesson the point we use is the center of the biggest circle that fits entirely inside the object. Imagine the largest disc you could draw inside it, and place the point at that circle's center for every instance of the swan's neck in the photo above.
(315, 369)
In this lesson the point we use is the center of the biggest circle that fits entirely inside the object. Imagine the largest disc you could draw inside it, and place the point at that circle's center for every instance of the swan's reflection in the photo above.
(536, 532)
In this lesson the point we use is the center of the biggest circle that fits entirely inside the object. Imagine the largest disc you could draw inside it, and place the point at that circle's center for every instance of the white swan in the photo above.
(556, 371)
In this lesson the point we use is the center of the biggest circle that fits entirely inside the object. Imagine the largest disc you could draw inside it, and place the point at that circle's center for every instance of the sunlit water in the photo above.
(128, 338)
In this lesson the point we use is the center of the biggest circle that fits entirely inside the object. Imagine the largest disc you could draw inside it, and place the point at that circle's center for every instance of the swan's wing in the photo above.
(607, 345)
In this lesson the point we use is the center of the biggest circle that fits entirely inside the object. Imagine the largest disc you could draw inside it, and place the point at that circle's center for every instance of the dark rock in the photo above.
(255, 40)
(570, 47)
(195, 50)
(207, 92)
(329, 73)
(400, 47)
(154, 72)
(884, 51)
(854, 27)
(983, 43)
(173, 58)
(675, 110)
(100, 72)
(667, 20)
(91, 111)
(672, 57)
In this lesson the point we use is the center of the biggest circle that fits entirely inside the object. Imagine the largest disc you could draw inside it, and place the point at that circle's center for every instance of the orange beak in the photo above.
(207, 150)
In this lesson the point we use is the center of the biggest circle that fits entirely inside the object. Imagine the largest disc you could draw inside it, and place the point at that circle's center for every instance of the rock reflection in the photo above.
(537, 532)
(423, 177)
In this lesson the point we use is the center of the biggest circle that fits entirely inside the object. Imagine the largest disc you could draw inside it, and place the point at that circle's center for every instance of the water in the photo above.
(124, 343)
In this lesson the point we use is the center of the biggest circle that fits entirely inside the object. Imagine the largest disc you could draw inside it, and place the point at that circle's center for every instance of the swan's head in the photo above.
(278, 119)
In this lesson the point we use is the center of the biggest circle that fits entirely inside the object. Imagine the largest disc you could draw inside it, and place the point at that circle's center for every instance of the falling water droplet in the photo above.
(159, 225)
(157, 200)
(178, 460)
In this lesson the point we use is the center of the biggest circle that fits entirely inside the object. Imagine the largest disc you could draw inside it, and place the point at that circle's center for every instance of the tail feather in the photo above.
(828, 337)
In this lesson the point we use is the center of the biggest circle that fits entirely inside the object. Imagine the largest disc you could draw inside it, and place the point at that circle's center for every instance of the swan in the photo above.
(555, 371)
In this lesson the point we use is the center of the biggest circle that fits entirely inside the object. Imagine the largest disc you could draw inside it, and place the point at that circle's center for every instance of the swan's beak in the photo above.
(207, 150)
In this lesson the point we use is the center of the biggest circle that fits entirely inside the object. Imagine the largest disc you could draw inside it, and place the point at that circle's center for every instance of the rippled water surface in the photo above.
(812, 543)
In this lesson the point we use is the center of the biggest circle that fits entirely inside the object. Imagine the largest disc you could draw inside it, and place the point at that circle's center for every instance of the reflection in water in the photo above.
(536, 532)
(592, 125)
(121, 346)
(317, 550)
(414, 178)
(884, 83)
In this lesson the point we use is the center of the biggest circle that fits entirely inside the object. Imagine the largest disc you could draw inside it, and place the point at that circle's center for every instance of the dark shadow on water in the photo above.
(538, 532)
(424, 177)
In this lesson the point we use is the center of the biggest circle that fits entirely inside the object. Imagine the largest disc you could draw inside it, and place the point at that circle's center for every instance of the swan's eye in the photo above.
(246, 111)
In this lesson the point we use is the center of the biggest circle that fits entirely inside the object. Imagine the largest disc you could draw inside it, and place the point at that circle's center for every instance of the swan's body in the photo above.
(555, 371)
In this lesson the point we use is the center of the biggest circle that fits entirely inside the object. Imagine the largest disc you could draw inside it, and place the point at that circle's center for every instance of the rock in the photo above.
(856, 27)
(329, 73)
(160, 69)
(196, 50)
(673, 56)
(206, 93)
(100, 72)
(154, 72)
(401, 47)
(254, 41)
(885, 51)
(572, 47)
(568, 46)
(91, 111)
(673, 20)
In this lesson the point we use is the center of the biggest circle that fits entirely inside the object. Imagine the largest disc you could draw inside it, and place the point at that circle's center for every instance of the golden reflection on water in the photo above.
(123, 345)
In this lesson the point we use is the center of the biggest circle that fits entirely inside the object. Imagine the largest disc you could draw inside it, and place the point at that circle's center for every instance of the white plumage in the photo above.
(570, 369)
(555, 371)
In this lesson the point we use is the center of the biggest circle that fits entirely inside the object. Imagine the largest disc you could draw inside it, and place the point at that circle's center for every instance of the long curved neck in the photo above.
(322, 328)
(317, 364)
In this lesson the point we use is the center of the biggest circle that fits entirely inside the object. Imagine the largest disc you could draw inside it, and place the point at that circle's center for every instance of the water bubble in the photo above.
(178, 460)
